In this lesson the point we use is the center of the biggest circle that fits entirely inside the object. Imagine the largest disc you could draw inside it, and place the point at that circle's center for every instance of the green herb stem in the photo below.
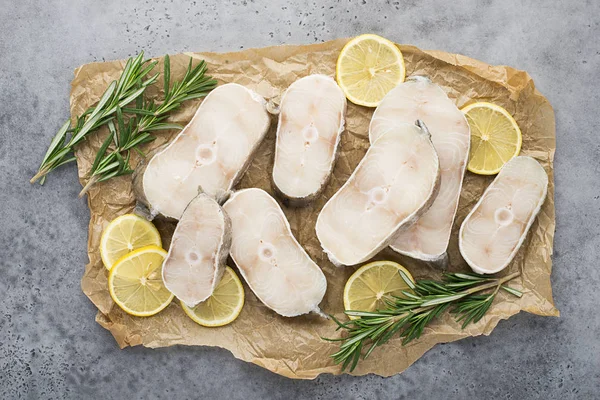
(146, 117)
(410, 314)
(129, 87)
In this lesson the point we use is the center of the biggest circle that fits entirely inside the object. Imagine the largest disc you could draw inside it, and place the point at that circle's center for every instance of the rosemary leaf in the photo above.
(56, 141)
(159, 127)
(167, 74)
(138, 111)
(512, 291)
(101, 152)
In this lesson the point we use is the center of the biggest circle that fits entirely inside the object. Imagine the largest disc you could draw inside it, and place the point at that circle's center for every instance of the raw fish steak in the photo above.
(418, 98)
(198, 252)
(496, 227)
(391, 187)
(311, 121)
(275, 266)
(211, 153)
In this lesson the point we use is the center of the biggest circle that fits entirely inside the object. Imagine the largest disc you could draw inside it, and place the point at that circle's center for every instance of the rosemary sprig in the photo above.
(408, 315)
(126, 89)
(147, 117)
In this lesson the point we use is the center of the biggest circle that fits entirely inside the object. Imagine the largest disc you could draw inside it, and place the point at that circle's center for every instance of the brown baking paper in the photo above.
(293, 346)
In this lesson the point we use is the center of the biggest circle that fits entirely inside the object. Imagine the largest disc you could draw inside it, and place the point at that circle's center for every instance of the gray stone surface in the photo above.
(50, 346)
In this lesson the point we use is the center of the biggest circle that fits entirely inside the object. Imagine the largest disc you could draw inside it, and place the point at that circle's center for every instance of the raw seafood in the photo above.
(419, 98)
(198, 252)
(274, 265)
(311, 122)
(496, 227)
(392, 186)
(211, 153)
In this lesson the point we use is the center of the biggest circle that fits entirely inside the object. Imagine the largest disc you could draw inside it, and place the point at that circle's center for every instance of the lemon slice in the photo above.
(495, 137)
(135, 282)
(223, 306)
(125, 234)
(368, 67)
(367, 288)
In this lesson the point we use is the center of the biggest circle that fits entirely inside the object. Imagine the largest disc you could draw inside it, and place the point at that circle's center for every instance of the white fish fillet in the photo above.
(394, 183)
(311, 122)
(275, 266)
(418, 98)
(211, 153)
(198, 252)
(496, 227)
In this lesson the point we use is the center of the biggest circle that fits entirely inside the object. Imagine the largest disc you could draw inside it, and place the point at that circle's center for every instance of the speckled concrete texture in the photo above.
(50, 346)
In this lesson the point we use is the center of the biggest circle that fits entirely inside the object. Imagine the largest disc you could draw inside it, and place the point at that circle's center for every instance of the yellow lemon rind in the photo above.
(353, 42)
(361, 270)
(113, 270)
(224, 321)
(510, 118)
(110, 227)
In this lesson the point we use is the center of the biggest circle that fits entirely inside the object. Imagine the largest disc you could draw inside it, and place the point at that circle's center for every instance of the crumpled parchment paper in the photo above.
(292, 346)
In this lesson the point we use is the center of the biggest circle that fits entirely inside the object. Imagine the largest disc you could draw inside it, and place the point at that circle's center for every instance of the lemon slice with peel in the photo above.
(495, 137)
(223, 306)
(135, 282)
(371, 284)
(125, 234)
(368, 67)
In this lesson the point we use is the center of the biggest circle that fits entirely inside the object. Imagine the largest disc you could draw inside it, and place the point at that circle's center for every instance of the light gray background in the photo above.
(50, 346)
